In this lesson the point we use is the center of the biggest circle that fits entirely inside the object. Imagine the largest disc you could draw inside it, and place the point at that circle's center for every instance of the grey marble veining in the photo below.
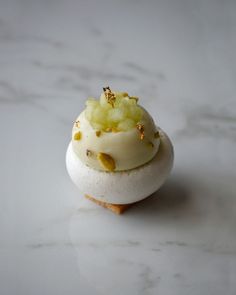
(179, 58)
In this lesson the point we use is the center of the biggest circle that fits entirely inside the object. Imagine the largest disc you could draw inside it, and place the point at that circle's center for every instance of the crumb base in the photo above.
(116, 208)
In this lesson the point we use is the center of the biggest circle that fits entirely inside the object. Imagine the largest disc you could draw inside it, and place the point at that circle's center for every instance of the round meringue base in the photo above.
(122, 187)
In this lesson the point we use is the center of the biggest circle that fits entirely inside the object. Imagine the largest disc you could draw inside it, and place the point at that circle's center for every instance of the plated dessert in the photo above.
(117, 155)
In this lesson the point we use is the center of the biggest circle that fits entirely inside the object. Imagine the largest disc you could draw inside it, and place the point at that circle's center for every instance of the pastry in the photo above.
(117, 155)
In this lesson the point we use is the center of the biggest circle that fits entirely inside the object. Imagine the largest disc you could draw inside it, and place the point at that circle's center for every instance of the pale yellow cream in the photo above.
(115, 151)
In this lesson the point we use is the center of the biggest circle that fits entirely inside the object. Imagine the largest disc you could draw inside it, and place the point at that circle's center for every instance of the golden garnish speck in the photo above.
(140, 128)
(77, 123)
(110, 96)
(98, 133)
(78, 135)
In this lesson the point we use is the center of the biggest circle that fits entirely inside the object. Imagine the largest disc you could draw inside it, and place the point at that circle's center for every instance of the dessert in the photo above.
(117, 155)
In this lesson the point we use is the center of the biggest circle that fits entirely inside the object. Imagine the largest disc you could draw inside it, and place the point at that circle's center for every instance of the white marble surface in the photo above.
(179, 57)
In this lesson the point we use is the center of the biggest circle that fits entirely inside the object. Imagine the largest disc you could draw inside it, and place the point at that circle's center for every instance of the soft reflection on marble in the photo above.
(179, 57)
(162, 241)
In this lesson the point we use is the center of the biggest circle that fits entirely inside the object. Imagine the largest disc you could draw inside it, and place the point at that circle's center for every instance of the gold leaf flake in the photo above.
(78, 135)
(140, 128)
(106, 161)
(110, 96)
(77, 123)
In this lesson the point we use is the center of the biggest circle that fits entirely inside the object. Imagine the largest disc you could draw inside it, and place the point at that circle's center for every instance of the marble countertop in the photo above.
(179, 58)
